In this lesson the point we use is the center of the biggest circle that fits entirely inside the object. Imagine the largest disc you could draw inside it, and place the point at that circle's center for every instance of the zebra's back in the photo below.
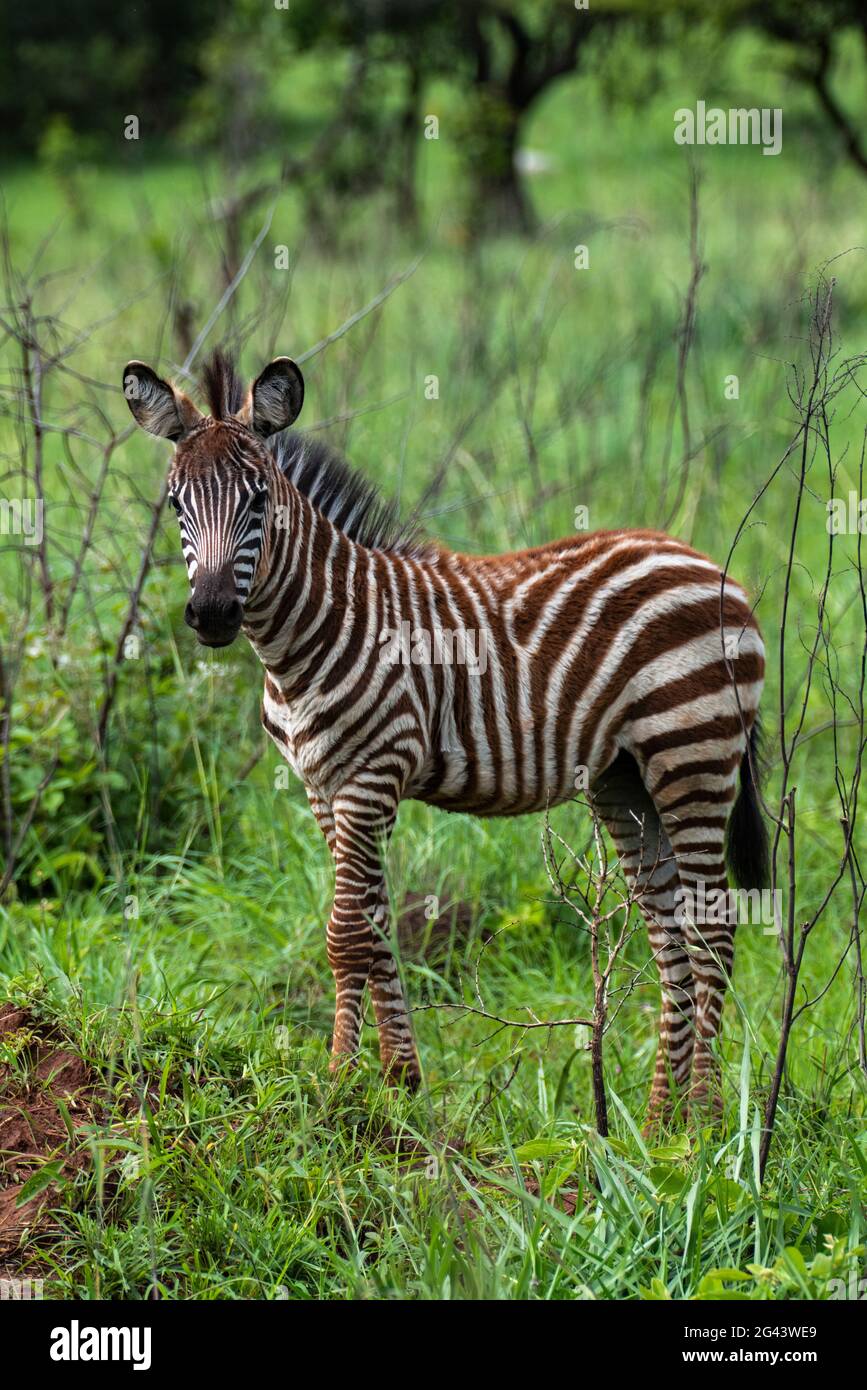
(578, 649)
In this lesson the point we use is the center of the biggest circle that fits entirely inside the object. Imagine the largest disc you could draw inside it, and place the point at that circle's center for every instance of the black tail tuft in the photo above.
(747, 836)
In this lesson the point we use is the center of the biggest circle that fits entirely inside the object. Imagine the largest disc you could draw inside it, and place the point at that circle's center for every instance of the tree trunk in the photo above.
(500, 203)
(409, 133)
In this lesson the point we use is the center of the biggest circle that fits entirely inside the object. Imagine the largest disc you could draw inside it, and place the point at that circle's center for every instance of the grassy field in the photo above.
(210, 1155)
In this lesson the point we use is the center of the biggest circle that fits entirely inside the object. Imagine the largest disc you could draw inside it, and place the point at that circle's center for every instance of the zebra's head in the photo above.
(220, 478)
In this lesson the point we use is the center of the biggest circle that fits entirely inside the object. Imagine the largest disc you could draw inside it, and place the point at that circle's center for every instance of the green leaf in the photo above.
(718, 1293)
(617, 1146)
(712, 1285)
(541, 1149)
(678, 1148)
(657, 1292)
(38, 1181)
(554, 1180)
(668, 1182)
(727, 1194)
(795, 1262)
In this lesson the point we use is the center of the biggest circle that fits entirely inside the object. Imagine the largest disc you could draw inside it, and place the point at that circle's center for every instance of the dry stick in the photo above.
(90, 522)
(766, 809)
(228, 293)
(346, 416)
(32, 371)
(821, 85)
(858, 898)
(526, 403)
(523, 1024)
(600, 882)
(792, 965)
(596, 1036)
(797, 439)
(5, 739)
(786, 820)
(819, 370)
(129, 621)
(813, 407)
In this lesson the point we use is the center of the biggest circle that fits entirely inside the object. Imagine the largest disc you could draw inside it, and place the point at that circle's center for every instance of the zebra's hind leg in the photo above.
(695, 821)
(647, 860)
(396, 1046)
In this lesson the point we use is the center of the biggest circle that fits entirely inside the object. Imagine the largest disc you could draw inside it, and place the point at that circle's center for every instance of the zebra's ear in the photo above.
(156, 405)
(275, 398)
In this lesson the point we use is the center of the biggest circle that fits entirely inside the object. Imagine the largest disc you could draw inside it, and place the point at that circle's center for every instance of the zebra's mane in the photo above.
(348, 500)
(222, 387)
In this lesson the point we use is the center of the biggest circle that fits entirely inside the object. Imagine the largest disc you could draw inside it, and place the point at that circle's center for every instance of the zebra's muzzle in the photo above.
(214, 611)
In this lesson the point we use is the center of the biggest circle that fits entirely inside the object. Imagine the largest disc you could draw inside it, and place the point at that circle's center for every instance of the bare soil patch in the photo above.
(39, 1074)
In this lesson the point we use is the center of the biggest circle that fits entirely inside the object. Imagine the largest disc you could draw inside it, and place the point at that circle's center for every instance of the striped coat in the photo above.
(616, 662)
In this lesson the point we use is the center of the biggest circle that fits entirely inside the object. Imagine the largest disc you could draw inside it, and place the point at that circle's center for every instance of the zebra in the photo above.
(623, 653)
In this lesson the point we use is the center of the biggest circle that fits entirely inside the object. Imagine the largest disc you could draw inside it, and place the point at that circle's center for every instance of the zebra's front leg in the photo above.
(359, 945)
(349, 959)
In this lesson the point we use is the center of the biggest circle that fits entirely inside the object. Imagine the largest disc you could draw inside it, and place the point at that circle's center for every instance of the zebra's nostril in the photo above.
(214, 617)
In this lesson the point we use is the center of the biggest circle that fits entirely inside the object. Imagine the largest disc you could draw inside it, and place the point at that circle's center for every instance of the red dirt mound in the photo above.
(38, 1073)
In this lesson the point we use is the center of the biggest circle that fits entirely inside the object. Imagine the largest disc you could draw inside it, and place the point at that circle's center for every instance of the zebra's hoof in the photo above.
(402, 1075)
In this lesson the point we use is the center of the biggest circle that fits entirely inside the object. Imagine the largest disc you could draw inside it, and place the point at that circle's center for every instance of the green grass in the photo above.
(227, 1163)
(249, 1172)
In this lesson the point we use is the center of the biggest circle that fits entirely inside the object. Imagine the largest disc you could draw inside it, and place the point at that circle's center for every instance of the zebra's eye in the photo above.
(258, 503)
(175, 503)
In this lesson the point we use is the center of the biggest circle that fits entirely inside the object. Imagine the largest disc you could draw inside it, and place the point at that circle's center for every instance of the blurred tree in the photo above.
(506, 52)
(514, 52)
(817, 31)
(218, 69)
(94, 62)
(396, 45)
(814, 32)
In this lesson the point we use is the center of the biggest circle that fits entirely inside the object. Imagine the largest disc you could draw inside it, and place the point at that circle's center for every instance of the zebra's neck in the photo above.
(313, 584)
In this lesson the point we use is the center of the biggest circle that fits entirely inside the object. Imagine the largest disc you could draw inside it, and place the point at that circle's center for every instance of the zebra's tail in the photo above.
(747, 850)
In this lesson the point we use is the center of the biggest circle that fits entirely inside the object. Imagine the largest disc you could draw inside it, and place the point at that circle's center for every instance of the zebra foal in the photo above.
(621, 654)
